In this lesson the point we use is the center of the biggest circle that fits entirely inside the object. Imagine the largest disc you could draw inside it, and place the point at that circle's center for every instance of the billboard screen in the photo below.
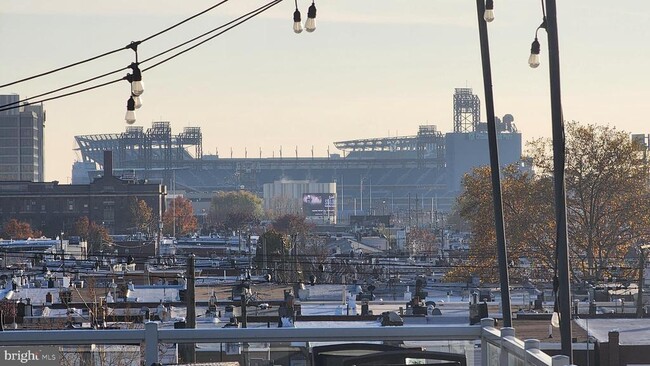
(319, 204)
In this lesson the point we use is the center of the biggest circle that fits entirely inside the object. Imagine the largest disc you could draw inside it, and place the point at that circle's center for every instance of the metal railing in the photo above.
(498, 347)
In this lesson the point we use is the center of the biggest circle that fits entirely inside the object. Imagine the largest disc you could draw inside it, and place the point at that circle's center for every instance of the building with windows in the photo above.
(52, 207)
(21, 141)
(404, 176)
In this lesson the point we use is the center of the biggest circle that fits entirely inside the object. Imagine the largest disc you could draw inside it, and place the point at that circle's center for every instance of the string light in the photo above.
(489, 11)
(297, 22)
(130, 111)
(310, 24)
(533, 60)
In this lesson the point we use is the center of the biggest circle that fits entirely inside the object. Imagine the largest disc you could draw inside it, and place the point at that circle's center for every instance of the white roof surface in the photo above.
(631, 331)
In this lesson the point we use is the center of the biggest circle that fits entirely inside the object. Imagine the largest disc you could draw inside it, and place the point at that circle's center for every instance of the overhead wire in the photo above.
(129, 46)
(230, 25)
(254, 13)
(202, 35)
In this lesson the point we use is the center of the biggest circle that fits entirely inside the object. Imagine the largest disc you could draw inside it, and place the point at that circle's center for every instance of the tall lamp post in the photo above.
(485, 14)
(562, 243)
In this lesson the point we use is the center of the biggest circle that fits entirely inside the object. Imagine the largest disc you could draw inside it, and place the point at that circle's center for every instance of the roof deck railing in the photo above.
(498, 346)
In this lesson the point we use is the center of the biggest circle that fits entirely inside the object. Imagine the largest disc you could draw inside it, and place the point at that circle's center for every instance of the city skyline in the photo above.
(371, 69)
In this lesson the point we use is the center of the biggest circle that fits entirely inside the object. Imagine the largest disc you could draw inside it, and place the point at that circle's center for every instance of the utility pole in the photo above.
(265, 264)
(244, 314)
(62, 254)
(190, 303)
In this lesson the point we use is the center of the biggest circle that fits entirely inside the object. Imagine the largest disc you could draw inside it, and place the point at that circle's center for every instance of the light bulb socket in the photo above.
(489, 4)
(296, 16)
(130, 104)
(535, 47)
(311, 12)
(137, 74)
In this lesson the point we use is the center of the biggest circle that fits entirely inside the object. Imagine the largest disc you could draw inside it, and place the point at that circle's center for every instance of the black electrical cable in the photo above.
(238, 21)
(70, 93)
(202, 35)
(129, 46)
(184, 21)
(18, 103)
(256, 13)
(62, 68)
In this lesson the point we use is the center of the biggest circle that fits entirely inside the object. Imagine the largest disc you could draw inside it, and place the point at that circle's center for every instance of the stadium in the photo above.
(419, 173)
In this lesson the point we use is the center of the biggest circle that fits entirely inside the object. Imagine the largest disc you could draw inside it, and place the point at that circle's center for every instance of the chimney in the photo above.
(108, 163)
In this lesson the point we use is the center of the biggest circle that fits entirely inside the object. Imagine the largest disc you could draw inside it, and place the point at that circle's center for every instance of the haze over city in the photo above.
(371, 69)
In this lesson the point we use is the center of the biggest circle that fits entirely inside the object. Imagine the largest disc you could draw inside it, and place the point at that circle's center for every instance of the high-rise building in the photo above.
(21, 141)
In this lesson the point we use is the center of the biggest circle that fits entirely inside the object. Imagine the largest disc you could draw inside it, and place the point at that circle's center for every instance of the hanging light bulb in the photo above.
(137, 100)
(130, 111)
(533, 60)
(297, 25)
(555, 318)
(310, 24)
(137, 86)
(489, 11)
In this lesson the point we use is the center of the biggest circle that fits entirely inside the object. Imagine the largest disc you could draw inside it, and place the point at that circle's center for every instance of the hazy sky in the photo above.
(372, 68)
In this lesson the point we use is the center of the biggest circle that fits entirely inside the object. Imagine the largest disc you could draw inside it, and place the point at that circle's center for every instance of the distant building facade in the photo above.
(466, 151)
(384, 175)
(52, 207)
(316, 201)
(21, 141)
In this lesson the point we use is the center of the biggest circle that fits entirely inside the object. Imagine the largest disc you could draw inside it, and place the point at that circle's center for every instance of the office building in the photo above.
(21, 141)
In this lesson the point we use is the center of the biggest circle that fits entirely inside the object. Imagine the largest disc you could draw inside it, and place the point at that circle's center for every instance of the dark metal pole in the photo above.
(190, 319)
(557, 121)
(639, 295)
(494, 167)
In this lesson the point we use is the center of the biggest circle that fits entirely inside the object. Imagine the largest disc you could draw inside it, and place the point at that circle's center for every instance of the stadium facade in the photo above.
(406, 174)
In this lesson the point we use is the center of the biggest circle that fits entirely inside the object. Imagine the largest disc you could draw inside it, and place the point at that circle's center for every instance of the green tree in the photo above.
(142, 216)
(179, 218)
(234, 210)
